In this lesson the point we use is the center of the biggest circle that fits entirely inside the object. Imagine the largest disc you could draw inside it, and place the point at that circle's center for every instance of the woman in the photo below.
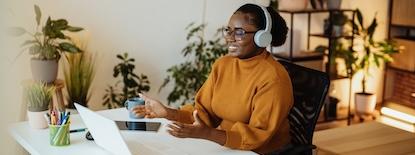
(245, 101)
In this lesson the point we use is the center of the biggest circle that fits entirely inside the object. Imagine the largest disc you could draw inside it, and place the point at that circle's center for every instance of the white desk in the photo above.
(36, 141)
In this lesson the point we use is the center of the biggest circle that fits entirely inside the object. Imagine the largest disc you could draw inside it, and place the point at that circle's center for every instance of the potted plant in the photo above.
(339, 19)
(317, 4)
(333, 4)
(79, 72)
(47, 45)
(189, 76)
(38, 97)
(132, 83)
(373, 53)
(337, 22)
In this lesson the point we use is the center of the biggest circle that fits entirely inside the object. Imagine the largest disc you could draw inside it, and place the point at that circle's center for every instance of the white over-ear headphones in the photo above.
(263, 38)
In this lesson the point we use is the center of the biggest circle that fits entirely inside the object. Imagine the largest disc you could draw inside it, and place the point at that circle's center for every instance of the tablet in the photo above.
(139, 126)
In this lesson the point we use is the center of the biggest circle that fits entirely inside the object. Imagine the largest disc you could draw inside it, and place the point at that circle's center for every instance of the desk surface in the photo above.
(36, 141)
(366, 139)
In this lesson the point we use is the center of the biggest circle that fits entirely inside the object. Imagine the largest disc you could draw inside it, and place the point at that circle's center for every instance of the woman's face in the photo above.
(241, 46)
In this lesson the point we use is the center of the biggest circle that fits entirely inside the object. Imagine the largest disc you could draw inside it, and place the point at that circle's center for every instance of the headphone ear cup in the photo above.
(262, 38)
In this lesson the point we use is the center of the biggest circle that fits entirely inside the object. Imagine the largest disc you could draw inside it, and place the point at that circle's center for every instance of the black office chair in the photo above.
(310, 89)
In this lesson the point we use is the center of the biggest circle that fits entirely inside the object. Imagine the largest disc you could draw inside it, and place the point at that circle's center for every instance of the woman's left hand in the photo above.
(196, 130)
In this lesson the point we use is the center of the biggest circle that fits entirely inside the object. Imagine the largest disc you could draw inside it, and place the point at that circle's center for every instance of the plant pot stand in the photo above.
(365, 116)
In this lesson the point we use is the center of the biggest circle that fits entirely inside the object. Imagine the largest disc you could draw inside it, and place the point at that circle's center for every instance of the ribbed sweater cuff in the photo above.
(233, 139)
(184, 116)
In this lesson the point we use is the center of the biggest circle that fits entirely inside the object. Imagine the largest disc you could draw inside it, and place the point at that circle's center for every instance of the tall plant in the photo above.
(132, 84)
(50, 41)
(373, 51)
(189, 76)
(79, 72)
(39, 96)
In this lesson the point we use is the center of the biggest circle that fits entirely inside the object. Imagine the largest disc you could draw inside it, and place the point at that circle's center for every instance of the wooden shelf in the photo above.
(316, 10)
(341, 119)
(341, 115)
(399, 69)
(402, 26)
(405, 38)
(337, 77)
(332, 37)
(398, 104)
(299, 56)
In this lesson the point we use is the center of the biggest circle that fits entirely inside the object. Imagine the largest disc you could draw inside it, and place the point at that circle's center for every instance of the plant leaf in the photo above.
(69, 47)
(27, 42)
(16, 31)
(119, 57)
(60, 24)
(360, 17)
(371, 29)
(34, 50)
(38, 14)
(376, 59)
(74, 29)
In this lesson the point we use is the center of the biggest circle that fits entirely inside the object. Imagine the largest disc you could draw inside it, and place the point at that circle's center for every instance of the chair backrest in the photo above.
(310, 88)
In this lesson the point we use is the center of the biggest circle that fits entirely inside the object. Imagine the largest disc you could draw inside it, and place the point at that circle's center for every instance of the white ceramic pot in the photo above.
(365, 103)
(333, 4)
(37, 120)
(44, 70)
(292, 5)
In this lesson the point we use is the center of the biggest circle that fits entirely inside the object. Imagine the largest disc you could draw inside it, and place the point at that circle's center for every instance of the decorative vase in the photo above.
(330, 108)
(292, 5)
(37, 120)
(365, 103)
(44, 70)
(333, 4)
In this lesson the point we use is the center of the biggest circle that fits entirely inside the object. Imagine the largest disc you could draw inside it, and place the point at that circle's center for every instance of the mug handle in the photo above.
(126, 104)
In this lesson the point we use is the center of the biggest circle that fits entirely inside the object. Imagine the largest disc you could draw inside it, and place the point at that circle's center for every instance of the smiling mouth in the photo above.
(232, 48)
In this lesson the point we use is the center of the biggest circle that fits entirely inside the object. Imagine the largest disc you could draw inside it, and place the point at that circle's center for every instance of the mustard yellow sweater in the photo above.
(249, 99)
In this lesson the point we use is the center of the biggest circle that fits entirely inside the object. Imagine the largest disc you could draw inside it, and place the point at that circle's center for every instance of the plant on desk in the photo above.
(373, 53)
(132, 84)
(47, 45)
(38, 98)
(79, 72)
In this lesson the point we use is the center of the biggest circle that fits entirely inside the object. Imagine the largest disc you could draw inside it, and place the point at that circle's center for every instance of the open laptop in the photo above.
(107, 135)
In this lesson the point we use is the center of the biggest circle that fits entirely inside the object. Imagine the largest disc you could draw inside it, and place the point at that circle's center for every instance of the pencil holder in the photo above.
(59, 135)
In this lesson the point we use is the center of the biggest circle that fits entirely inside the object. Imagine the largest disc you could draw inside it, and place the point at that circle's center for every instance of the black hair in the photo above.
(279, 28)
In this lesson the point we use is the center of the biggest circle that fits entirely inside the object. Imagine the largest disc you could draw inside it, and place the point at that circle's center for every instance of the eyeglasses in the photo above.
(238, 33)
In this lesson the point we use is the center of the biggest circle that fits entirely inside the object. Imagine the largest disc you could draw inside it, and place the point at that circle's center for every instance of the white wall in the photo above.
(152, 31)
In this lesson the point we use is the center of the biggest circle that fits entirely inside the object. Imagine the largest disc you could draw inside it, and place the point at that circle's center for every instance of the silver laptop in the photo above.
(107, 135)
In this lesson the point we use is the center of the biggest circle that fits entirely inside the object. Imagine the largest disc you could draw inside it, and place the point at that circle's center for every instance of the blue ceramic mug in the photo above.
(131, 103)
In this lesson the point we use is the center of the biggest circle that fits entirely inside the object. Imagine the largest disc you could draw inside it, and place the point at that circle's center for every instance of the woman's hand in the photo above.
(151, 109)
(196, 130)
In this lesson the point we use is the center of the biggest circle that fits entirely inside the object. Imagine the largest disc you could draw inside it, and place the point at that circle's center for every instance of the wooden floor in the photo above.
(341, 119)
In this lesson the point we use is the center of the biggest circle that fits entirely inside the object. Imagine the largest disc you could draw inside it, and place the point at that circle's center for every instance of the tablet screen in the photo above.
(140, 126)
